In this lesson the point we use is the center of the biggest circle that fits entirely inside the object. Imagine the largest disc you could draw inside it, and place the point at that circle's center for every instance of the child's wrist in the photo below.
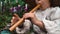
(33, 18)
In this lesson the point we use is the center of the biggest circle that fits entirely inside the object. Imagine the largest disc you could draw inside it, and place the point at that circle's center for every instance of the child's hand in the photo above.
(14, 19)
(29, 15)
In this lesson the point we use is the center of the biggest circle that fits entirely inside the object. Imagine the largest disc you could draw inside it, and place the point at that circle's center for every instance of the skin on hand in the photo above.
(29, 15)
(14, 19)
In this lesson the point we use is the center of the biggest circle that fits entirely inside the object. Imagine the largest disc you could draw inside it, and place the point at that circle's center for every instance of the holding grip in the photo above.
(22, 19)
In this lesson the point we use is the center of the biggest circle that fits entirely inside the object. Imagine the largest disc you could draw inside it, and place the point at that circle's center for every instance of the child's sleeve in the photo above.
(53, 26)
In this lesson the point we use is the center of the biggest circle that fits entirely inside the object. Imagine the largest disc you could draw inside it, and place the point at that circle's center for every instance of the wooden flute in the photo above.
(21, 20)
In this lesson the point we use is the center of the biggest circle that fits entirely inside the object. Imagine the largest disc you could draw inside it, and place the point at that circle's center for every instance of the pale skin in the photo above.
(44, 4)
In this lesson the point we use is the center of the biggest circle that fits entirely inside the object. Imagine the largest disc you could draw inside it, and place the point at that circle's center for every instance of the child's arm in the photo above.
(34, 20)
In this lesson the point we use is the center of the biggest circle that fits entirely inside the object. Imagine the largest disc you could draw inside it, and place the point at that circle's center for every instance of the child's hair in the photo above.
(32, 3)
(54, 3)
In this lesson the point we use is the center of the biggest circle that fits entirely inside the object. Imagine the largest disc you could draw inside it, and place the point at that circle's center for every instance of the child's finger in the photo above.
(15, 15)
